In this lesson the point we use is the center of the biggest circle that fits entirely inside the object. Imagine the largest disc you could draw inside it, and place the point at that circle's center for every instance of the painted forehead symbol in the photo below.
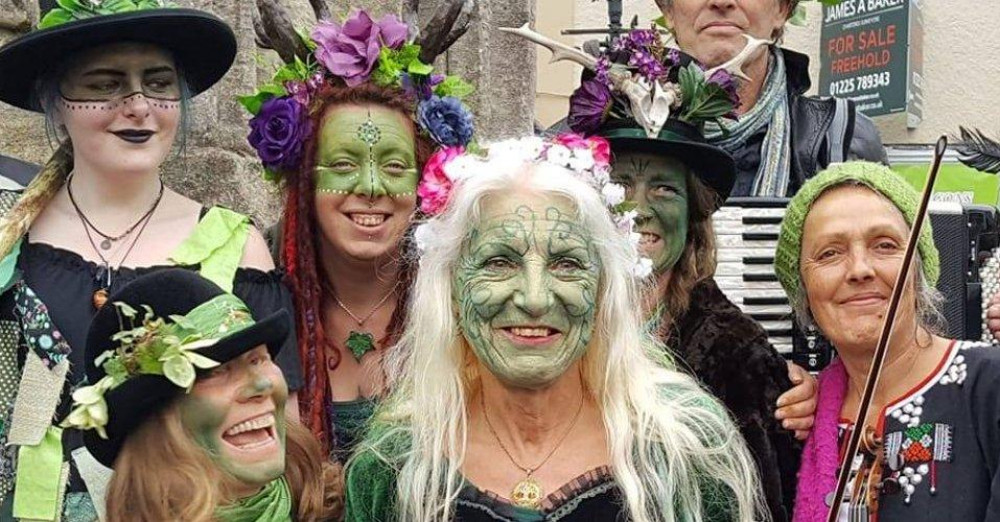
(369, 133)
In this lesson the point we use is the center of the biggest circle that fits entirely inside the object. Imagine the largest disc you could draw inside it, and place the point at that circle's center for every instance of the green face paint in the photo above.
(658, 187)
(225, 406)
(366, 150)
(526, 288)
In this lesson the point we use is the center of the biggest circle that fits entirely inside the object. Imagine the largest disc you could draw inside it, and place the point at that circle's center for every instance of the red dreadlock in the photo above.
(303, 268)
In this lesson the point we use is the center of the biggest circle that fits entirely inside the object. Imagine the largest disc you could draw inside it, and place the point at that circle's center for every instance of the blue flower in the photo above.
(446, 121)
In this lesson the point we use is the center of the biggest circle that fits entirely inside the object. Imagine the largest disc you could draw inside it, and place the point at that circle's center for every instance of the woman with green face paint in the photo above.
(359, 139)
(188, 407)
(114, 81)
(674, 179)
(535, 395)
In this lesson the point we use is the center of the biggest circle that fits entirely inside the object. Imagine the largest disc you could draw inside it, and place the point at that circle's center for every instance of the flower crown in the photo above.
(588, 158)
(359, 50)
(637, 77)
(153, 346)
(71, 10)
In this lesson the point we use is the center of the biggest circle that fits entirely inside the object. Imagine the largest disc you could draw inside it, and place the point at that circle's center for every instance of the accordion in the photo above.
(747, 235)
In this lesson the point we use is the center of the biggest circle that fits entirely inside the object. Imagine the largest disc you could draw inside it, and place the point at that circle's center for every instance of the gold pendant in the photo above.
(527, 493)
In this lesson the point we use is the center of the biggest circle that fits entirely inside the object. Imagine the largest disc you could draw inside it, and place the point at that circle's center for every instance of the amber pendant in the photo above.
(100, 297)
(527, 493)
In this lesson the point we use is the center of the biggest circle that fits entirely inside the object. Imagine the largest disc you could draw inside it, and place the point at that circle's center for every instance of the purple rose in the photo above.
(278, 133)
(589, 106)
(446, 121)
(351, 50)
(727, 82)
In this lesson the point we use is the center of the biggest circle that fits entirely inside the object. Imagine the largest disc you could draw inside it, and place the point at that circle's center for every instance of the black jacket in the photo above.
(811, 120)
(730, 354)
(16, 170)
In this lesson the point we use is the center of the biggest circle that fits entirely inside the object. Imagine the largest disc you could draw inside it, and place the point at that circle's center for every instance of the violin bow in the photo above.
(875, 371)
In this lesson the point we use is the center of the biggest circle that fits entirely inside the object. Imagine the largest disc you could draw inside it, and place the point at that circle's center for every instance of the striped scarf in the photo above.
(770, 111)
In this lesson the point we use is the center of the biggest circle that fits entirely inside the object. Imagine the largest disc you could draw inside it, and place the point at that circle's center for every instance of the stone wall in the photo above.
(219, 167)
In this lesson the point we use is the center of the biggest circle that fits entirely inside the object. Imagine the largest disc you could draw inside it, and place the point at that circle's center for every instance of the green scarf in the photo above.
(770, 111)
(272, 504)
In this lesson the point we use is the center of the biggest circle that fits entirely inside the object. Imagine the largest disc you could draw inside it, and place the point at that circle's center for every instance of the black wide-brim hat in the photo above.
(683, 141)
(167, 292)
(203, 46)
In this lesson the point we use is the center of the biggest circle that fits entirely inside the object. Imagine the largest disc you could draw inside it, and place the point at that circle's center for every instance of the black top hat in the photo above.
(168, 292)
(203, 45)
(680, 140)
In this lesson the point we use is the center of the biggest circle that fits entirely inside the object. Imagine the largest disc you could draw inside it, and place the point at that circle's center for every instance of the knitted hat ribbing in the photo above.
(873, 175)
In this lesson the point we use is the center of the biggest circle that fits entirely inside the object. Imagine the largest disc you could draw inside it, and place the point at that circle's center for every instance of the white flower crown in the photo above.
(588, 158)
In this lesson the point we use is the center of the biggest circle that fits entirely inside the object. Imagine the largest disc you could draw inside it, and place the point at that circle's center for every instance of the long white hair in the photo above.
(670, 442)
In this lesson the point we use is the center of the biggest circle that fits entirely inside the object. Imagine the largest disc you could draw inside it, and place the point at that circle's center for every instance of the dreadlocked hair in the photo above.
(300, 244)
(35, 198)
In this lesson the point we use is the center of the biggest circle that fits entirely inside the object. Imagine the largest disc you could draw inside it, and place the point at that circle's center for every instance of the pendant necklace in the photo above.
(103, 276)
(360, 342)
(109, 240)
(528, 492)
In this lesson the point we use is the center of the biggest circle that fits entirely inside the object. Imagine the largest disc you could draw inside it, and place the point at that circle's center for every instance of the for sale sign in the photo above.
(866, 53)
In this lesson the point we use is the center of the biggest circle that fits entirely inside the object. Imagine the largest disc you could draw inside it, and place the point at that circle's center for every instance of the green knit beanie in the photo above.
(873, 175)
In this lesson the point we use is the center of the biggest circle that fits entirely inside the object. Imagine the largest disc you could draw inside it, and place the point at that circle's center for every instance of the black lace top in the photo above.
(591, 496)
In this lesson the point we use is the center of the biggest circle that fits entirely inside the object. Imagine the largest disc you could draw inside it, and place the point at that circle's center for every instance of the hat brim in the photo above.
(203, 46)
(713, 166)
(131, 403)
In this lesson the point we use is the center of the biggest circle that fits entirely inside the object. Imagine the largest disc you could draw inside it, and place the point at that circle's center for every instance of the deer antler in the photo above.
(450, 21)
(275, 31)
(411, 12)
(320, 9)
(735, 65)
(560, 51)
(651, 103)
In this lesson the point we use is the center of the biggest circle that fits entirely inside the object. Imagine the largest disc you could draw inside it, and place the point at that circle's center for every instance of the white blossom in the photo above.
(558, 154)
(613, 193)
(643, 268)
(581, 160)
(422, 235)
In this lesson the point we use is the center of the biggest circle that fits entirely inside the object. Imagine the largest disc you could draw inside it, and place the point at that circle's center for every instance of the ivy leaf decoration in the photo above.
(393, 62)
(455, 87)
(703, 100)
(179, 370)
(360, 343)
(70, 10)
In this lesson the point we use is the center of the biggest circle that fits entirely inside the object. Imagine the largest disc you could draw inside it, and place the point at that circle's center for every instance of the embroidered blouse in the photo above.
(45, 310)
(942, 443)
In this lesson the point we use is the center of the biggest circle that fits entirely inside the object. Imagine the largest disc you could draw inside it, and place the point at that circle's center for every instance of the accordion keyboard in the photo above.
(746, 236)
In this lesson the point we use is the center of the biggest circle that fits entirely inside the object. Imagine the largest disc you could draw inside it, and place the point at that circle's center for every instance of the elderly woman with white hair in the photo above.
(536, 395)
(937, 407)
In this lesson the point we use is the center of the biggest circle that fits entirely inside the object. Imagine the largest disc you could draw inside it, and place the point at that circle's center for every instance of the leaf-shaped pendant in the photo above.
(360, 343)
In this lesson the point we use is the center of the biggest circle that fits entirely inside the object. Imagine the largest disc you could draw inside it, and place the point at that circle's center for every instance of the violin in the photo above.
(865, 445)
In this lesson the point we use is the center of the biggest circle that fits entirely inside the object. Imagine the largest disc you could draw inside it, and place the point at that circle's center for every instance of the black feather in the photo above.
(979, 151)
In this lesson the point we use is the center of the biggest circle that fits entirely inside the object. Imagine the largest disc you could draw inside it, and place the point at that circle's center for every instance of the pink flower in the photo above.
(571, 140)
(351, 50)
(435, 186)
(597, 145)
(601, 149)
